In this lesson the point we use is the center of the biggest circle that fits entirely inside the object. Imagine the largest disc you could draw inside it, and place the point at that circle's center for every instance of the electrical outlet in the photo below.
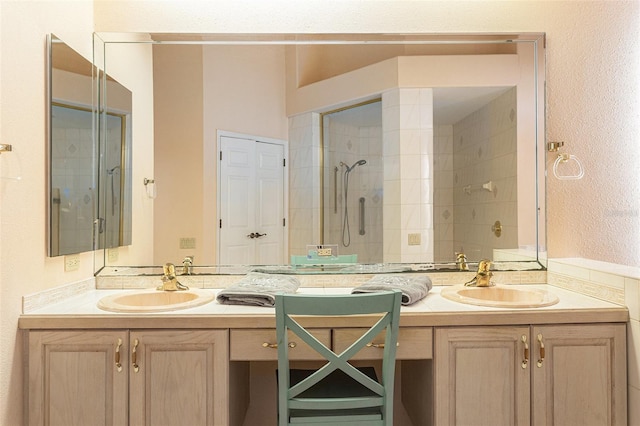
(414, 239)
(71, 262)
(324, 252)
(112, 255)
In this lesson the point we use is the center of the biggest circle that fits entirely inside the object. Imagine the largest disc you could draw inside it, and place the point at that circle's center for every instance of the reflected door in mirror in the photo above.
(252, 221)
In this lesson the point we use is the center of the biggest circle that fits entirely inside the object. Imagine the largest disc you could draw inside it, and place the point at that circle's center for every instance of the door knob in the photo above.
(255, 235)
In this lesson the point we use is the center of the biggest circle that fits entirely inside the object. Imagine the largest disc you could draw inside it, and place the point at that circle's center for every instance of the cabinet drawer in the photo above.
(413, 343)
(247, 345)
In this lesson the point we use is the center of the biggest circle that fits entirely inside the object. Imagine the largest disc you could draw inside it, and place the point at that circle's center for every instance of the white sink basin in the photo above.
(155, 300)
(501, 296)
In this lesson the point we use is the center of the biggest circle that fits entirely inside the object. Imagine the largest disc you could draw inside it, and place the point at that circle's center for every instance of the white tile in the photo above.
(426, 115)
(410, 167)
(409, 96)
(427, 192)
(410, 216)
(410, 191)
(391, 118)
(426, 217)
(391, 143)
(426, 169)
(560, 267)
(427, 143)
(391, 213)
(392, 192)
(410, 117)
(410, 142)
(632, 297)
(604, 278)
(390, 98)
(391, 167)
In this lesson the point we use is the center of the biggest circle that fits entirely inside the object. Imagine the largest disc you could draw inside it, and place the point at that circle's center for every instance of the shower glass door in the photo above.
(353, 174)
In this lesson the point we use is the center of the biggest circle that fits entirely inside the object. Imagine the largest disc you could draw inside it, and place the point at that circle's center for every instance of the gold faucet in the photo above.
(169, 280)
(187, 265)
(461, 261)
(483, 276)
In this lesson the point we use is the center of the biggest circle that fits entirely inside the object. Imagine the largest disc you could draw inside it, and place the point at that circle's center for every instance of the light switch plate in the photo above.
(187, 243)
(112, 254)
(414, 239)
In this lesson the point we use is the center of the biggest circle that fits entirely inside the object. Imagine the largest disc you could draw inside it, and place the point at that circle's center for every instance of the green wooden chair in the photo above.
(337, 393)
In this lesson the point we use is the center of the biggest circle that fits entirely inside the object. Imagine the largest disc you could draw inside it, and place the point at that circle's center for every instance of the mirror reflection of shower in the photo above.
(114, 197)
(353, 196)
(346, 231)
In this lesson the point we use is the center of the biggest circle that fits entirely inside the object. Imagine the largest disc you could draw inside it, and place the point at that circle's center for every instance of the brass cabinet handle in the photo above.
(118, 364)
(379, 345)
(275, 345)
(134, 356)
(525, 361)
(542, 351)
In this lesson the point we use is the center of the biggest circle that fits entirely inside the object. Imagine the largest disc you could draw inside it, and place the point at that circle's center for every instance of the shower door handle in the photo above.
(361, 215)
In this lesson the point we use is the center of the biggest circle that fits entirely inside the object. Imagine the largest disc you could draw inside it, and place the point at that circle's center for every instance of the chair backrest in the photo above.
(380, 394)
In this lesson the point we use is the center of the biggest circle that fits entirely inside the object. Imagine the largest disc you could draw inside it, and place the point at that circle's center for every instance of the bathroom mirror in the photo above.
(457, 149)
(88, 184)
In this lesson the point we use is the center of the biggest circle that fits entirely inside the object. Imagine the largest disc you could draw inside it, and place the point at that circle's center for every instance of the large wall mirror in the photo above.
(386, 148)
(88, 183)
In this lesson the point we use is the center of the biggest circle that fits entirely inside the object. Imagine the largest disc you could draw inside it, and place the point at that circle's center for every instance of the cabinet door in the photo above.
(179, 377)
(74, 378)
(581, 380)
(481, 376)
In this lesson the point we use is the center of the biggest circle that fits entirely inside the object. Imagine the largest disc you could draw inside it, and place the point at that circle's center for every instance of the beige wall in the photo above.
(177, 79)
(25, 268)
(593, 105)
(238, 89)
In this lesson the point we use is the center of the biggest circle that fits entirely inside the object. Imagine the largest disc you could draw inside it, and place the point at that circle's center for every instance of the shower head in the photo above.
(357, 163)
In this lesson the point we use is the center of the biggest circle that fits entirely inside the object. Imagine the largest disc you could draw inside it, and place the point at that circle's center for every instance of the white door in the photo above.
(251, 188)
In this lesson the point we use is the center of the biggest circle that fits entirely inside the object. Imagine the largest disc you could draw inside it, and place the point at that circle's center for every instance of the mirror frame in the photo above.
(102, 40)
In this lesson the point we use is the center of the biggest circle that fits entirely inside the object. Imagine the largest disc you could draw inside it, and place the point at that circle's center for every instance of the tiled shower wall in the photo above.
(407, 151)
(407, 116)
(349, 143)
(444, 250)
(484, 149)
(304, 182)
(72, 185)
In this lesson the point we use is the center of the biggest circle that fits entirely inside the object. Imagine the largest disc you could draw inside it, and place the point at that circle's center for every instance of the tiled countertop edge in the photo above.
(32, 302)
(602, 280)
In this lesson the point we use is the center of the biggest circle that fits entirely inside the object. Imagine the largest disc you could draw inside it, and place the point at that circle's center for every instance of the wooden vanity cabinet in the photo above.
(126, 377)
(538, 375)
(73, 378)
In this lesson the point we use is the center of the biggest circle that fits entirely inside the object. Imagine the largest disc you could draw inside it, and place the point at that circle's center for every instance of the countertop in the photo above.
(81, 312)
